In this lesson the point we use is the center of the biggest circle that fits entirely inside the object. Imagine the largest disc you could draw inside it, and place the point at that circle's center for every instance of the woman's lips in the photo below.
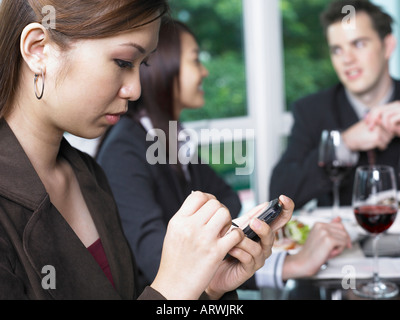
(113, 119)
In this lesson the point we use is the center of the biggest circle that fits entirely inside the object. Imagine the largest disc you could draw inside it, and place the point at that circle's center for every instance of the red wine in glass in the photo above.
(375, 208)
(336, 160)
(375, 219)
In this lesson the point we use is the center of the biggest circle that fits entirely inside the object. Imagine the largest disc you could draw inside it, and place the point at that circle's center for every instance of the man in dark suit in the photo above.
(360, 54)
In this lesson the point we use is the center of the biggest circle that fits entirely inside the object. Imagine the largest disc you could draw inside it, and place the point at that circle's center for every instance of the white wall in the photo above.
(392, 7)
(265, 89)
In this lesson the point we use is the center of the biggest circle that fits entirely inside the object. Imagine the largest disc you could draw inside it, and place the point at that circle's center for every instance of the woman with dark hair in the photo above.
(60, 233)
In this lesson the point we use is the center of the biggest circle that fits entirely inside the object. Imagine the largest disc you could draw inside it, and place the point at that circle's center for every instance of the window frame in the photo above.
(265, 88)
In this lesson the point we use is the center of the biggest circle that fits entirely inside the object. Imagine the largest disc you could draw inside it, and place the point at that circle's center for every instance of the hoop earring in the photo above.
(38, 96)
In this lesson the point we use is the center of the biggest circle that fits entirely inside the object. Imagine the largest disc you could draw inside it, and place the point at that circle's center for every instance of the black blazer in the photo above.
(148, 196)
(33, 234)
(297, 174)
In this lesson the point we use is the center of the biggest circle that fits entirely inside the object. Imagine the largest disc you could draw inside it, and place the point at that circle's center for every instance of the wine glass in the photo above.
(375, 208)
(337, 161)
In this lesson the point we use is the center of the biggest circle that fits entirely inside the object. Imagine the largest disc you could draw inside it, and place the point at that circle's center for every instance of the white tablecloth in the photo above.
(352, 260)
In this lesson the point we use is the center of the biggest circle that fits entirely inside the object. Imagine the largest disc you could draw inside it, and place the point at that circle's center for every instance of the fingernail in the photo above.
(256, 224)
(283, 199)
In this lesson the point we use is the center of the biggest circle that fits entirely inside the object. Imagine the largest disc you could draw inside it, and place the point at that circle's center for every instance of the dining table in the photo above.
(337, 278)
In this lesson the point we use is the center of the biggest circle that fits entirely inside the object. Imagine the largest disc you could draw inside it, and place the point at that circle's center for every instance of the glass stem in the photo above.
(336, 199)
(376, 260)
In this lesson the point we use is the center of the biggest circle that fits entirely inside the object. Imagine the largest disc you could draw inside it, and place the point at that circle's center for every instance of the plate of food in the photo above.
(292, 237)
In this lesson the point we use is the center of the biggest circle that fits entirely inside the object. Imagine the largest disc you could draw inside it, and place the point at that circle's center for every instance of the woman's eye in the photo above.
(123, 64)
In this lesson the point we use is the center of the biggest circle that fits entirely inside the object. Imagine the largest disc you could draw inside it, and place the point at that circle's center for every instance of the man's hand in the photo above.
(365, 137)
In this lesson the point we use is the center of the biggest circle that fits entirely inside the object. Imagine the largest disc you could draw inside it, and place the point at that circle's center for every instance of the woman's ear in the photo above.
(33, 40)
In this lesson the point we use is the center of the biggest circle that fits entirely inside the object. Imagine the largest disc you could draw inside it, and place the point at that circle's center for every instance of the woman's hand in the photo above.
(248, 256)
(195, 245)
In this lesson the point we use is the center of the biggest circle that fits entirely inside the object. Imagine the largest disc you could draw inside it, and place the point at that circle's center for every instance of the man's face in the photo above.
(359, 56)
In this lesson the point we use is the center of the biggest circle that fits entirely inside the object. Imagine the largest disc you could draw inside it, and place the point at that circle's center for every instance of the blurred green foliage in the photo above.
(225, 167)
(219, 29)
(308, 68)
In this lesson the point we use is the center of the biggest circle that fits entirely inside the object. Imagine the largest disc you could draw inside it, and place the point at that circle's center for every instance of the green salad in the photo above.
(297, 231)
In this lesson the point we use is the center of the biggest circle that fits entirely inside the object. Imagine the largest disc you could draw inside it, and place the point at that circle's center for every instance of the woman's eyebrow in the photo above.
(137, 46)
(134, 45)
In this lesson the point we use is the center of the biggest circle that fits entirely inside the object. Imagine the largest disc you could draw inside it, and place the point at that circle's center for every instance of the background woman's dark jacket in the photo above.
(149, 195)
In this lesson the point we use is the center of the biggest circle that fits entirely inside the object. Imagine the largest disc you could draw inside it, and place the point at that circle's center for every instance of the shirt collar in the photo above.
(361, 109)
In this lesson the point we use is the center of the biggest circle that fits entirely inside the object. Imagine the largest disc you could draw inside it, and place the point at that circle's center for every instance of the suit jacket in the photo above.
(148, 196)
(33, 234)
(297, 174)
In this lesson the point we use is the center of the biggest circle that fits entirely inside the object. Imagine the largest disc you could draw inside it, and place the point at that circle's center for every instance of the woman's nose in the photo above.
(132, 90)
(205, 71)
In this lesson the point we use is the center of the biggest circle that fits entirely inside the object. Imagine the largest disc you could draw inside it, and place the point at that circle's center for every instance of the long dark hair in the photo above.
(106, 18)
(159, 77)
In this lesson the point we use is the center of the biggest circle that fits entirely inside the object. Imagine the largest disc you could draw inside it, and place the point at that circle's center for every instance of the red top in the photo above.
(98, 253)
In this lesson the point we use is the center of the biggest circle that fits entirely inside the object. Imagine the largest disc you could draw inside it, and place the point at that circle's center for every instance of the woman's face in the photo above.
(189, 93)
(88, 87)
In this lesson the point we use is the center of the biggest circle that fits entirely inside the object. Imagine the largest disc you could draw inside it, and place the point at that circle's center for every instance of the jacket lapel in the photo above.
(18, 180)
(48, 240)
(104, 212)
(179, 184)
(346, 116)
